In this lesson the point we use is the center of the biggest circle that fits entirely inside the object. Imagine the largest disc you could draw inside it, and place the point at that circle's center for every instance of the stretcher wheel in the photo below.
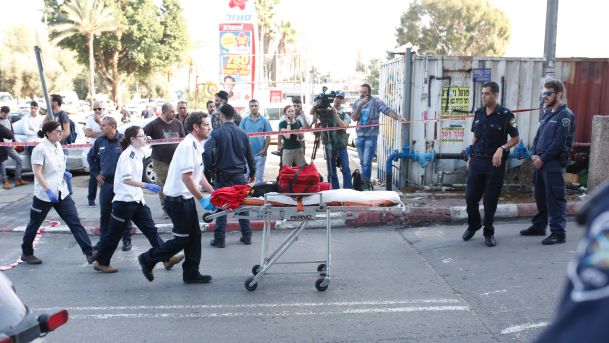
(322, 284)
(322, 268)
(255, 269)
(251, 287)
(206, 217)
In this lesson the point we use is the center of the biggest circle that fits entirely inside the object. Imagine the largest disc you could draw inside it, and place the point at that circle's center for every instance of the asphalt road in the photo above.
(388, 284)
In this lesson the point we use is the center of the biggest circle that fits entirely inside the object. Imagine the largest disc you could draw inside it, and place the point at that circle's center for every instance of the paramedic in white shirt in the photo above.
(128, 203)
(184, 177)
(51, 191)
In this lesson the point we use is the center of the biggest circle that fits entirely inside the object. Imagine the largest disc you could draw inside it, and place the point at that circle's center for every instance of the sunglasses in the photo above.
(547, 93)
(98, 109)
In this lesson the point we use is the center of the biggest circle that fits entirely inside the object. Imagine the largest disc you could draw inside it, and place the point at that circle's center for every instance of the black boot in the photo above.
(490, 241)
(533, 231)
(468, 234)
(554, 238)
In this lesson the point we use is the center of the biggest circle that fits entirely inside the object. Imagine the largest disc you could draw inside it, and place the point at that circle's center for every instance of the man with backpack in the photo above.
(67, 125)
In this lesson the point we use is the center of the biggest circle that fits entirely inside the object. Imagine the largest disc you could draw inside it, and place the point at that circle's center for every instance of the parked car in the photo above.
(76, 158)
(6, 99)
(18, 323)
(17, 115)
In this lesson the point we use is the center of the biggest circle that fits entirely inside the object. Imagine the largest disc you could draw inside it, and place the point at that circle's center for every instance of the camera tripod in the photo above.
(324, 137)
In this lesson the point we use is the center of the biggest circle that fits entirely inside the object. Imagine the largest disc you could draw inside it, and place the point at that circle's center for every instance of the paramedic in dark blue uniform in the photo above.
(551, 148)
(227, 151)
(584, 309)
(102, 158)
(486, 166)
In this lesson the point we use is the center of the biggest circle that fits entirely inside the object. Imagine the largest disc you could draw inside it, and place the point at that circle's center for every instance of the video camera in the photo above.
(324, 101)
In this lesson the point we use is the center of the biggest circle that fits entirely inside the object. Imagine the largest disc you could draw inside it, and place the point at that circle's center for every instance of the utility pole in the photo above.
(45, 92)
(549, 47)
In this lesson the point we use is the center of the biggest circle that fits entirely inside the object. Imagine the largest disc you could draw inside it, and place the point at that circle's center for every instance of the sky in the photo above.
(333, 33)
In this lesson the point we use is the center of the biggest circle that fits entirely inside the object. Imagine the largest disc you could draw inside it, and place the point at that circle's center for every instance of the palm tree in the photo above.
(266, 19)
(89, 18)
(286, 38)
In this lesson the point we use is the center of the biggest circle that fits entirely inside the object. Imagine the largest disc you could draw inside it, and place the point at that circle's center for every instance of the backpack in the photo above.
(299, 179)
(72, 136)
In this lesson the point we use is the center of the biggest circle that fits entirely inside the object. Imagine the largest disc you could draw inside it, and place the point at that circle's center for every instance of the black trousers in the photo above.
(122, 213)
(106, 194)
(67, 211)
(483, 179)
(187, 237)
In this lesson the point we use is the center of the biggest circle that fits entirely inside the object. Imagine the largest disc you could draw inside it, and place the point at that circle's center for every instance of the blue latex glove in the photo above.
(67, 175)
(52, 196)
(206, 203)
(152, 187)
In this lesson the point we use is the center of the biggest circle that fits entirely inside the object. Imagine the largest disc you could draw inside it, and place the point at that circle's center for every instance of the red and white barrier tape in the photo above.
(39, 233)
(262, 134)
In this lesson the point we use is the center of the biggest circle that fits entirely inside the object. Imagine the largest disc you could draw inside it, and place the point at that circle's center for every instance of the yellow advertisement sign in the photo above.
(453, 131)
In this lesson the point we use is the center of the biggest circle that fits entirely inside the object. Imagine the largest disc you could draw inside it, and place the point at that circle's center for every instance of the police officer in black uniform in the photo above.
(226, 153)
(584, 309)
(551, 148)
(102, 158)
(486, 166)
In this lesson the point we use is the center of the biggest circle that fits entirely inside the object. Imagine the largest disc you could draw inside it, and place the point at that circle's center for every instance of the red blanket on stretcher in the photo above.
(229, 198)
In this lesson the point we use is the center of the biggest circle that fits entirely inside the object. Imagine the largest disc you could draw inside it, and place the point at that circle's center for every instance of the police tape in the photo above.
(41, 230)
(268, 133)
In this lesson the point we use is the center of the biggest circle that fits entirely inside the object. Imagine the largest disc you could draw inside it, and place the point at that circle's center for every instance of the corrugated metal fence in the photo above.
(443, 89)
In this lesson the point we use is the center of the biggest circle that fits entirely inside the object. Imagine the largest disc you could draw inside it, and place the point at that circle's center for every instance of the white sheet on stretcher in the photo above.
(337, 195)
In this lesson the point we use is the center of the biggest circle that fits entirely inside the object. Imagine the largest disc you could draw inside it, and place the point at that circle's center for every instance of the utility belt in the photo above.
(489, 156)
(178, 199)
(482, 156)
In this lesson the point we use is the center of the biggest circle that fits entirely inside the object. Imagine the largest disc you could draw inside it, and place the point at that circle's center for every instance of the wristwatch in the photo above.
(503, 148)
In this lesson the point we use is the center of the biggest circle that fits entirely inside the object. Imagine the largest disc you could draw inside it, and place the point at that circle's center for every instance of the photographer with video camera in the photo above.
(366, 111)
(338, 139)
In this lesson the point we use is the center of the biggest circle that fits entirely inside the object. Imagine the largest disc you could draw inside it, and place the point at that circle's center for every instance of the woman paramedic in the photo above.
(51, 191)
(128, 203)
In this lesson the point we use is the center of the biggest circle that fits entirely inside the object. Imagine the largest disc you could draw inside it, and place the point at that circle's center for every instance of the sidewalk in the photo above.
(420, 207)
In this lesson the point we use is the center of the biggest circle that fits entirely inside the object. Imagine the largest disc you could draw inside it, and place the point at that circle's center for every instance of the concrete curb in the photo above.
(410, 217)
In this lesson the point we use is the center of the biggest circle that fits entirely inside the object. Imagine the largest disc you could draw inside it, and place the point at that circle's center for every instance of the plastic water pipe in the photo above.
(520, 152)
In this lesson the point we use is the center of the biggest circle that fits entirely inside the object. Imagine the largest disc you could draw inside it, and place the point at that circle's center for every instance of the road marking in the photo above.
(495, 292)
(228, 306)
(269, 314)
(523, 327)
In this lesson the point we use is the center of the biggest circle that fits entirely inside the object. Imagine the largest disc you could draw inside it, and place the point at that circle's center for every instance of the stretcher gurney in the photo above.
(325, 205)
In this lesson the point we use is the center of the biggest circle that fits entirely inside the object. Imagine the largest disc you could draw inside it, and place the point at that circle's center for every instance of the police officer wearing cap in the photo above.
(551, 149)
(102, 158)
(584, 309)
(181, 190)
(486, 166)
(227, 152)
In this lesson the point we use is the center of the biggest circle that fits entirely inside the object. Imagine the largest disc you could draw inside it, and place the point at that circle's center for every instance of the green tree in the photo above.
(265, 10)
(88, 18)
(148, 38)
(458, 28)
(19, 71)
(286, 36)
